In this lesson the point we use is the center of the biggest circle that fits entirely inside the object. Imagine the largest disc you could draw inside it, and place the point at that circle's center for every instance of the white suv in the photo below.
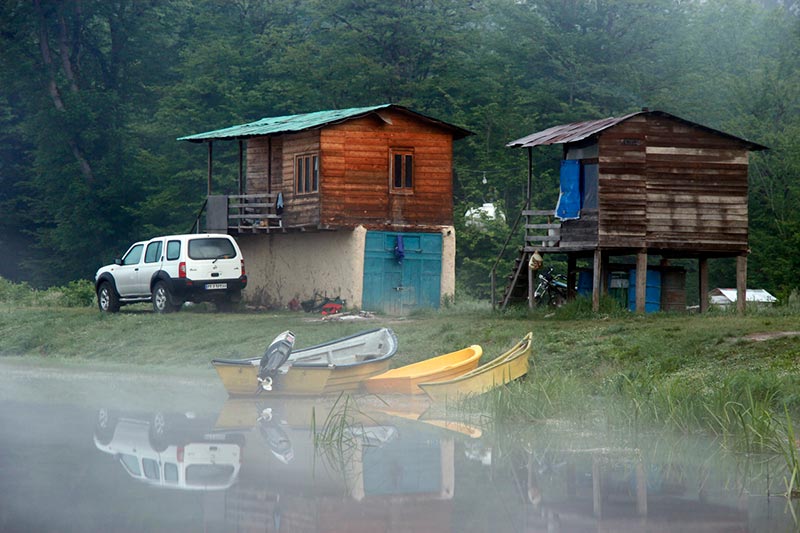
(172, 270)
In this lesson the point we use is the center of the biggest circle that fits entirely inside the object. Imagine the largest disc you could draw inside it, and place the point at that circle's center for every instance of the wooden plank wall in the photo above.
(622, 188)
(257, 161)
(355, 167)
(304, 209)
(665, 184)
(696, 188)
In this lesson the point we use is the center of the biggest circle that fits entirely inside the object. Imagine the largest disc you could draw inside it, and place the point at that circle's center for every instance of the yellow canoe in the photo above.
(405, 380)
(507, 367)
(336, 366)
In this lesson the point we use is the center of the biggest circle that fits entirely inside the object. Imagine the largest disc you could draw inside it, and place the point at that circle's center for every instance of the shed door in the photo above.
(399, 285)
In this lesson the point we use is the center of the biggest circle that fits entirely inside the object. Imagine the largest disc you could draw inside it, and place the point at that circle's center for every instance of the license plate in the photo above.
(216, 286)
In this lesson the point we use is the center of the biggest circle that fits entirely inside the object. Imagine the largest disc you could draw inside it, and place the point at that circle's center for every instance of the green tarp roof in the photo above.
(306, 121)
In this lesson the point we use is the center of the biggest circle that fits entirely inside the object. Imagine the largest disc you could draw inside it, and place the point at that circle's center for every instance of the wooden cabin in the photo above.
(644, 184)
(355, 203)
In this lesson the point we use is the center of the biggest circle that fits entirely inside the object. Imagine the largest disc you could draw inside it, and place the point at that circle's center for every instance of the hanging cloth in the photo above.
(400, 249)
(279, 204)
(569, 197)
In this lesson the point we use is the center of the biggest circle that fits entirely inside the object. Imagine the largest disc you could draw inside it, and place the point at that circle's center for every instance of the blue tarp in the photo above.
(569, 199)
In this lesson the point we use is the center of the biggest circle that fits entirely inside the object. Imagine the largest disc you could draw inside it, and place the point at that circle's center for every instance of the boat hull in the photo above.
(508, 366)
(335, 366)
(406, 379)
(241, 380)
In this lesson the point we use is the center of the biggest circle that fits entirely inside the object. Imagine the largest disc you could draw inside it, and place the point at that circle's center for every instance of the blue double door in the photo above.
(402, 271)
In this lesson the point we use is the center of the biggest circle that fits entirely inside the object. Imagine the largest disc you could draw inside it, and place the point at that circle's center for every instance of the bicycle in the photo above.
(552, 289)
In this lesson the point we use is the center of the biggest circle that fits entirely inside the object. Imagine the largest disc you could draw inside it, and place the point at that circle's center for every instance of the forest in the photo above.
(94, 94)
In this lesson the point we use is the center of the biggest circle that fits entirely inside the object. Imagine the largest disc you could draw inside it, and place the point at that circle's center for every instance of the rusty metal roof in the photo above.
(307, 121)
(578, 131)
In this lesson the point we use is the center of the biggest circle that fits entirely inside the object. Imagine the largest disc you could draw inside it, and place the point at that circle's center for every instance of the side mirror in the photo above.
(117, 261)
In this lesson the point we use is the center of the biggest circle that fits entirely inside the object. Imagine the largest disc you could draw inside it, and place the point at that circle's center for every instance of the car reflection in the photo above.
(170, 451)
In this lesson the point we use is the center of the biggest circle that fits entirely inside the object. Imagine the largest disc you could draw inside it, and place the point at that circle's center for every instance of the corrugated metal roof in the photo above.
(751, 295)
(307, 121)
(578, 131)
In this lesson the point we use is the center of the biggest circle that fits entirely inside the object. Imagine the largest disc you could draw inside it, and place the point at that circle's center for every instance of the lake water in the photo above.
(85, 449)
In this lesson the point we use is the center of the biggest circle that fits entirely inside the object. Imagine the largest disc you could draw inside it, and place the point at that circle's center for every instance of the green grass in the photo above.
(687, 373)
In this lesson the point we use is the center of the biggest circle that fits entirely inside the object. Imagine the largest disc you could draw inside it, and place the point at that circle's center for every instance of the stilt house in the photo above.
(644, 184)
(354, 203)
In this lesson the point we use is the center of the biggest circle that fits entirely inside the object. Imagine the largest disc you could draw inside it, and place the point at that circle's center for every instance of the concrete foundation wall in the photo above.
(283, 266)
(448, 262)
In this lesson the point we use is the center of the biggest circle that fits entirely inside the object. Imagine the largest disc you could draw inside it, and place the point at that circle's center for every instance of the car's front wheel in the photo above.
(107, 299)
(162, 299)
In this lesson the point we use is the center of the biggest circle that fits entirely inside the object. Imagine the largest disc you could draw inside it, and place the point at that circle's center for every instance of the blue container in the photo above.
(652, 292)
(585, 282)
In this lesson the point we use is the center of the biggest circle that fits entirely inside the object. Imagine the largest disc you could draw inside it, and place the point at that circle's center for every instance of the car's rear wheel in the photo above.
(162, 299)
(105, 425)
(107, 299)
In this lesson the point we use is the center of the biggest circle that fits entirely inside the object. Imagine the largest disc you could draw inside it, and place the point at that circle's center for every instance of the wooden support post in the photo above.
(641, 280)
(494, 289)
(241, 167)
(210, 165)
(596, 267)
(571, 275)
(531, 279)
(597, 486)
(741, 283)
(702, 270)
(641, 489)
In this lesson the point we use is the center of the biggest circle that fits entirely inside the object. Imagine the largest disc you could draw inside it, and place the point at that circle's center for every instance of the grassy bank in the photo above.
(679, 371)
(614, 352)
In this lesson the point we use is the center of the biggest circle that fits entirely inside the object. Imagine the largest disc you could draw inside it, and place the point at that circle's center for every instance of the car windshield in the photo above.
(204, 475)
(211, 248)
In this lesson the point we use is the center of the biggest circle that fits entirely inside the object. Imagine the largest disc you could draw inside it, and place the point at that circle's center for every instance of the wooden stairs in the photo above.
(517, 282)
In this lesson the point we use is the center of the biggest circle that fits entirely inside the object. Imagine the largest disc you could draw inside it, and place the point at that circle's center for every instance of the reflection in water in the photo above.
(294, 464)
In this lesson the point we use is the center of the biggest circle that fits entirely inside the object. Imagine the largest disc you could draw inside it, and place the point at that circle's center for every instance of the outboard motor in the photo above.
(274, 357)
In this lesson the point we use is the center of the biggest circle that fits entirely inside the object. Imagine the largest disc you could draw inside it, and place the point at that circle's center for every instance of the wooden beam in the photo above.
(741, 283)
(702, 269)
(596, 267)
(572, 261)
(530, 281)
(210, 165)
(641, 280)
(241, 167)
(641, 489)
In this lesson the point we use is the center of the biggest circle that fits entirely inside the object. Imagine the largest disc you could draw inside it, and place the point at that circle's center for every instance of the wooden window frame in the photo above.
(306, 174)
(407, 176)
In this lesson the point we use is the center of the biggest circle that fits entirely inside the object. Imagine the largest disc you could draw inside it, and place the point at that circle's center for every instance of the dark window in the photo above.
(153, 253)
(211, 248)
(402, 171)
(307, 173)
(171, 472)
(131, 464)
(134, 255)
(150, 469)
(209, 474)
(173, 250)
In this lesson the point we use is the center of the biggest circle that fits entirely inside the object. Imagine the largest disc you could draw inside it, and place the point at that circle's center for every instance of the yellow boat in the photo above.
(335, 366)
(405, 380)
(507, 367)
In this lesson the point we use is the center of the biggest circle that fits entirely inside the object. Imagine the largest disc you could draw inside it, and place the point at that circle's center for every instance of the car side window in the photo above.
(134, 255)
(150, 469)
(153, 253)
(173, 250)
(131, 464)
(171, 472)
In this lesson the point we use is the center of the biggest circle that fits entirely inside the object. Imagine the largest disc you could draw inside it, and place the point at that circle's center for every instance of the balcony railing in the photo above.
(245, 212)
